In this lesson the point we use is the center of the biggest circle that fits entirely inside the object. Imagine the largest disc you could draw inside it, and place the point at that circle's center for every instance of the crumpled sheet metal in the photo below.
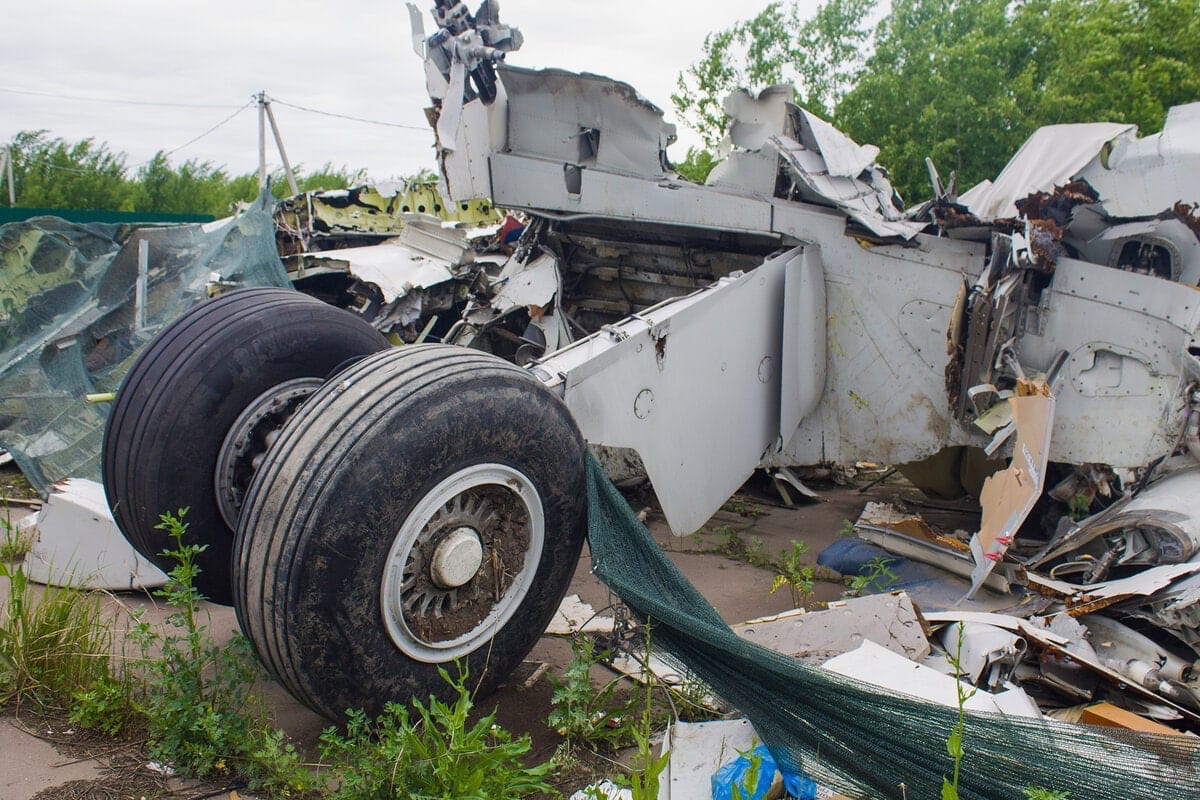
(1093, 597)
(867, 198)
(550, 112)
(1148, 176)
(1048, 158)
(69, 326)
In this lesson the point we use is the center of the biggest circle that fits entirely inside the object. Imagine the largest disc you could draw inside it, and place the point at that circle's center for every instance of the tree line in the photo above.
(964, 82)
(50, 172)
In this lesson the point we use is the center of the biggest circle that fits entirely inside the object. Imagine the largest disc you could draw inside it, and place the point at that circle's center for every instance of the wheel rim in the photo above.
(462, 562)
(250, 437)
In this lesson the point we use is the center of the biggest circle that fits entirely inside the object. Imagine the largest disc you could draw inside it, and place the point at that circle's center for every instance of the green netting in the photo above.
(70, 326)
(858, 738)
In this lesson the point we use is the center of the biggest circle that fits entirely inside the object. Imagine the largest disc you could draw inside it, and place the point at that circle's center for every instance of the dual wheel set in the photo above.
(372, 513)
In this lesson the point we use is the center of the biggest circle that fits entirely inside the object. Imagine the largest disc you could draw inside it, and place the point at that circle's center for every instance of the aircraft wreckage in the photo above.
(374, 513)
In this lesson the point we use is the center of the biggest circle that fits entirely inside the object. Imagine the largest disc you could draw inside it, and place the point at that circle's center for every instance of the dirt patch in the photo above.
(14, 485)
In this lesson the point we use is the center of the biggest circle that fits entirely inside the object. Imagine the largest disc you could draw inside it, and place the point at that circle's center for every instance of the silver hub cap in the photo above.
(462, 562)
(250, 437)
(456, 559)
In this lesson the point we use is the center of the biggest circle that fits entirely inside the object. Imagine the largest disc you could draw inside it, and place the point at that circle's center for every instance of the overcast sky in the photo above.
(351, 57)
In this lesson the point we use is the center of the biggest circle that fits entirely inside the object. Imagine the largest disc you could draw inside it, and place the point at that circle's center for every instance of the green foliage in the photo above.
(749, 782)
(794, 574)
(54, 643)
(14, 545)
(53, 173)
(954, 742)
(874, 576)
(647, 771)
(820, 55)
(698, 164)
(584, 715)
(202, 716)
(966, 81)
(847, 528)
(756, 553)
(108, 705)
(962, 81)
(434, 755)
(1034, 793)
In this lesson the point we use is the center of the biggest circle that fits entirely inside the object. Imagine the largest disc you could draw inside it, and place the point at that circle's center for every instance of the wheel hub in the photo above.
(462, 562)
(250, 437)
(457, 558)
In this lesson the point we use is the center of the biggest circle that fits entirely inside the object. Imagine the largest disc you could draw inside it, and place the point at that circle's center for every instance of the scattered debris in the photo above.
(575, 617)
(878, 666)
(76, 543)
(890, 620)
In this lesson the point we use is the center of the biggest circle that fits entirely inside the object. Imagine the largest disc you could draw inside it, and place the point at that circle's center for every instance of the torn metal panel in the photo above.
(754, 120)
(1010, 495)
(867, 196)
(1079, 654)
(361, 215)
(588, 121)
(878, 666)
(1174, 610)
(76, 543)
(1154, 527)
(1050, 157)
(1144, 177)
(890, 620)
(1082, 600)
(532, 284)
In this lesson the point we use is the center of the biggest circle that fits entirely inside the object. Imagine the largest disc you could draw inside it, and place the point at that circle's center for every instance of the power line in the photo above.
(206, 133)
(347, 116)
(112, 101)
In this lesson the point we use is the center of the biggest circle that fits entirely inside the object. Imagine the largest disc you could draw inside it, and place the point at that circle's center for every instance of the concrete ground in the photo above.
(739, 591)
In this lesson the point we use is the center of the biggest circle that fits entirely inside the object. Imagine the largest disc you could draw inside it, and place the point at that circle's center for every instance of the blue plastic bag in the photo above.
(737, 773)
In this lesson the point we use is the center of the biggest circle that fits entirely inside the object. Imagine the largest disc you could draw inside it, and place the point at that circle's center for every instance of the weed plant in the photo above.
(647, 771)
(432, 754)
(582, 714)
(202, 716)
(794, 574)
(874, 576)
(954, 742)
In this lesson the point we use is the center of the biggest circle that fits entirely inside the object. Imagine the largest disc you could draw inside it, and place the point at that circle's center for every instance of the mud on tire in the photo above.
(178, 401)
(425, 506)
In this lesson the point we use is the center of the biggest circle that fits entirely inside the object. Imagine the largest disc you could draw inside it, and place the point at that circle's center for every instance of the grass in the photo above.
(54, 643)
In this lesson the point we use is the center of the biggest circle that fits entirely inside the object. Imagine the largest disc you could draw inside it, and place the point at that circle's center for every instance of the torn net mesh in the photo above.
(69, 325)
(858, 738)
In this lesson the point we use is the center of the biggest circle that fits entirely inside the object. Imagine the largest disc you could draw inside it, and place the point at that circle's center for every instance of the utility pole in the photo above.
(267, 116)
(7, 167)
(261, 97)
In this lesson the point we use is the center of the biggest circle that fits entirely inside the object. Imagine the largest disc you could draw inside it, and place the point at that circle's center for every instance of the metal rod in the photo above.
(262, 140)
(143, 277)
(287, 166)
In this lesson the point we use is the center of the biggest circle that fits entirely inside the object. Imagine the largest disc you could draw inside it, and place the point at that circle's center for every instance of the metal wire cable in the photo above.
(347, 116)
(112, 100)
(206, 133)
